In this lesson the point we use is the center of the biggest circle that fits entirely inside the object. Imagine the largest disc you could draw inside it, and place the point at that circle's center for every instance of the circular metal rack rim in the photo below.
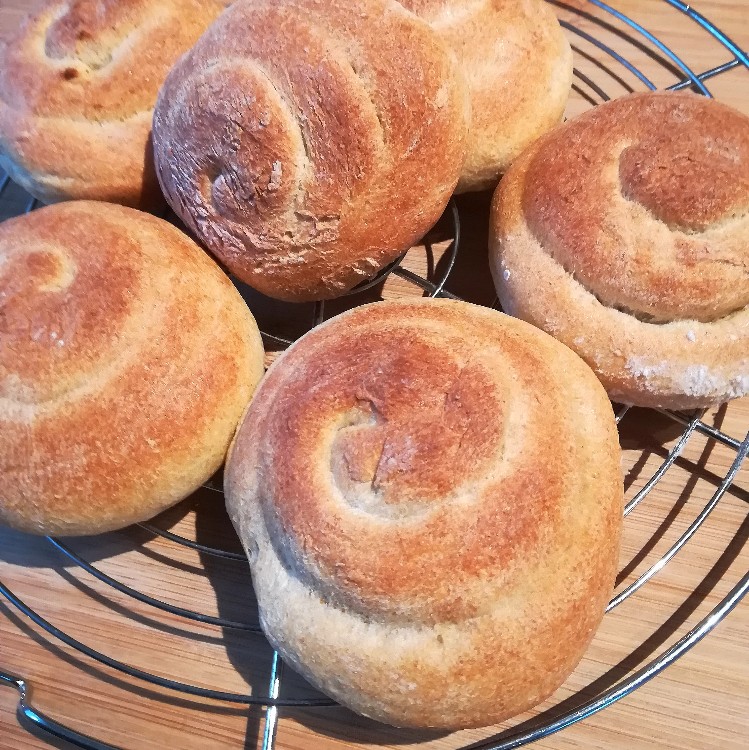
(436, 287)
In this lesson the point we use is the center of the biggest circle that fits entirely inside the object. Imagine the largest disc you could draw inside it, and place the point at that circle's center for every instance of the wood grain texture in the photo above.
(700, 702)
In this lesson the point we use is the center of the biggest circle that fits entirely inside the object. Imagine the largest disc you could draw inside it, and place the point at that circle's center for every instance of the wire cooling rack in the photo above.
(612, 53)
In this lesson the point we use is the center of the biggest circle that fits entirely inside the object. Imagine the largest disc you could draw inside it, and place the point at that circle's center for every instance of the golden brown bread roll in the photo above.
(518, 67)
(126, 360)
(78, 83)
(306, 166)
(430, 497)
(625, 234)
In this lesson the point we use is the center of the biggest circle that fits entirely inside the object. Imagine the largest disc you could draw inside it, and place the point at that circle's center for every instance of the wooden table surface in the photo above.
(701, 701)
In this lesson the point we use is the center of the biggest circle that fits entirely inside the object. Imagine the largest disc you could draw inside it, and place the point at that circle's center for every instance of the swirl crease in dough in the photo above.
(78, 83)
(126, 360)
(430, 497)
(625, 234)
(306, 167)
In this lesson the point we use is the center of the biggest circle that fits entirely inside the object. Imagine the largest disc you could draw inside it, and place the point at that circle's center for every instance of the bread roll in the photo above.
(518, 67)
(78, 83)
(430, 497)
(625, 234)
(126, 360)
(308, 143)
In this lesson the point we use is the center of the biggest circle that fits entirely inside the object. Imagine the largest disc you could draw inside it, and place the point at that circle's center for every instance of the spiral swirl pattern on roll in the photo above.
(625, 234)
(307, 166)
(430, 497)
(78, 83)
(126, 360)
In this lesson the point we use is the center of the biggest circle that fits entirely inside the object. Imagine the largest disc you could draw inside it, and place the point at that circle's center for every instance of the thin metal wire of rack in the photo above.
(692, 424)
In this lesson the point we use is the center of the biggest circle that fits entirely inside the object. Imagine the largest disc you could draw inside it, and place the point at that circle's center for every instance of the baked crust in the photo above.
(625, 234)
(78, 83)
(430, 496)
(518, 67)
(126, 360)
(307, 167)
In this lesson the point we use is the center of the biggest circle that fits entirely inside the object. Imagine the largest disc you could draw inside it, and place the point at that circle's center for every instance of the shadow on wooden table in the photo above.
(652, 434)
(30, 551)
(470, 278)
(236, 602)
(343, 725)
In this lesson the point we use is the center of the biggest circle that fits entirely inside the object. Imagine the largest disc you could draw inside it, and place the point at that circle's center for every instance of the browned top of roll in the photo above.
(306, 166)
(126, 360)
(518, 68)
(645, 201)
(430, 497)
(78, 83)
(418, 428)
